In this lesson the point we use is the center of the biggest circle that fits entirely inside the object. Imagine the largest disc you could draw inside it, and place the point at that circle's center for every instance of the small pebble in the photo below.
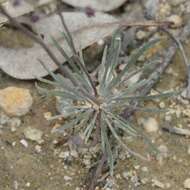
(28, 184)
(140, 35)
(137, 167)
(150, 125)
(118, 176)
(168, 117)
(144, 169)
(162, 105)
(15, 101)
(67, 178)
(156, 183)
(186, 183)
(47, 115)
(188, 150)
(24, 143)
(168, 185)
(38, 148)
(176, 21)
(14, 143)
(33, 134)
(13, 129)
(15, 185)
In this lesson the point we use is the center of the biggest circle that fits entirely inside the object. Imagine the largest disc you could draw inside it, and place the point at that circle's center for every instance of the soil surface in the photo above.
(54, 165)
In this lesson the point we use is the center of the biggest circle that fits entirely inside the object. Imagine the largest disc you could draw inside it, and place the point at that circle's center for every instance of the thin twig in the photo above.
(177, 131)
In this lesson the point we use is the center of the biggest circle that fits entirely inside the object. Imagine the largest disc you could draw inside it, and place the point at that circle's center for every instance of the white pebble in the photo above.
(168, 117)
(28, 184)
(186, 183)
(24, 143)
(13, 129)
(14, 143)
(156, 183)
(150, 125)
(38, 148)
(144, 169)
(15, 185)
(176, 21)
(162, 105)
(67, 178)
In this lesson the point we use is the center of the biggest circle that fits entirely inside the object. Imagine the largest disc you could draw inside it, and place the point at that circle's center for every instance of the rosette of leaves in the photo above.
(96, 106)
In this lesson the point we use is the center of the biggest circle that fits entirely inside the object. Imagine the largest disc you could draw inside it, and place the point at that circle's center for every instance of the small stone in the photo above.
(144, 169)
(24, 143)
(15, 185)
(162, 105)
(188, 150)
(168, 185)
(186, 183)
(47, 115)
(101, 42)
(140, 35)
(176, 21)
(137, 167)
(128, 174)
(13, 129)
(118, 176)
(28, 184)
(15, 101)
(150, 125)
(14, 143)
(38, 148)
(33, 134)
(168, 118)
(67, 178)
(156, 183)
(121, 67)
